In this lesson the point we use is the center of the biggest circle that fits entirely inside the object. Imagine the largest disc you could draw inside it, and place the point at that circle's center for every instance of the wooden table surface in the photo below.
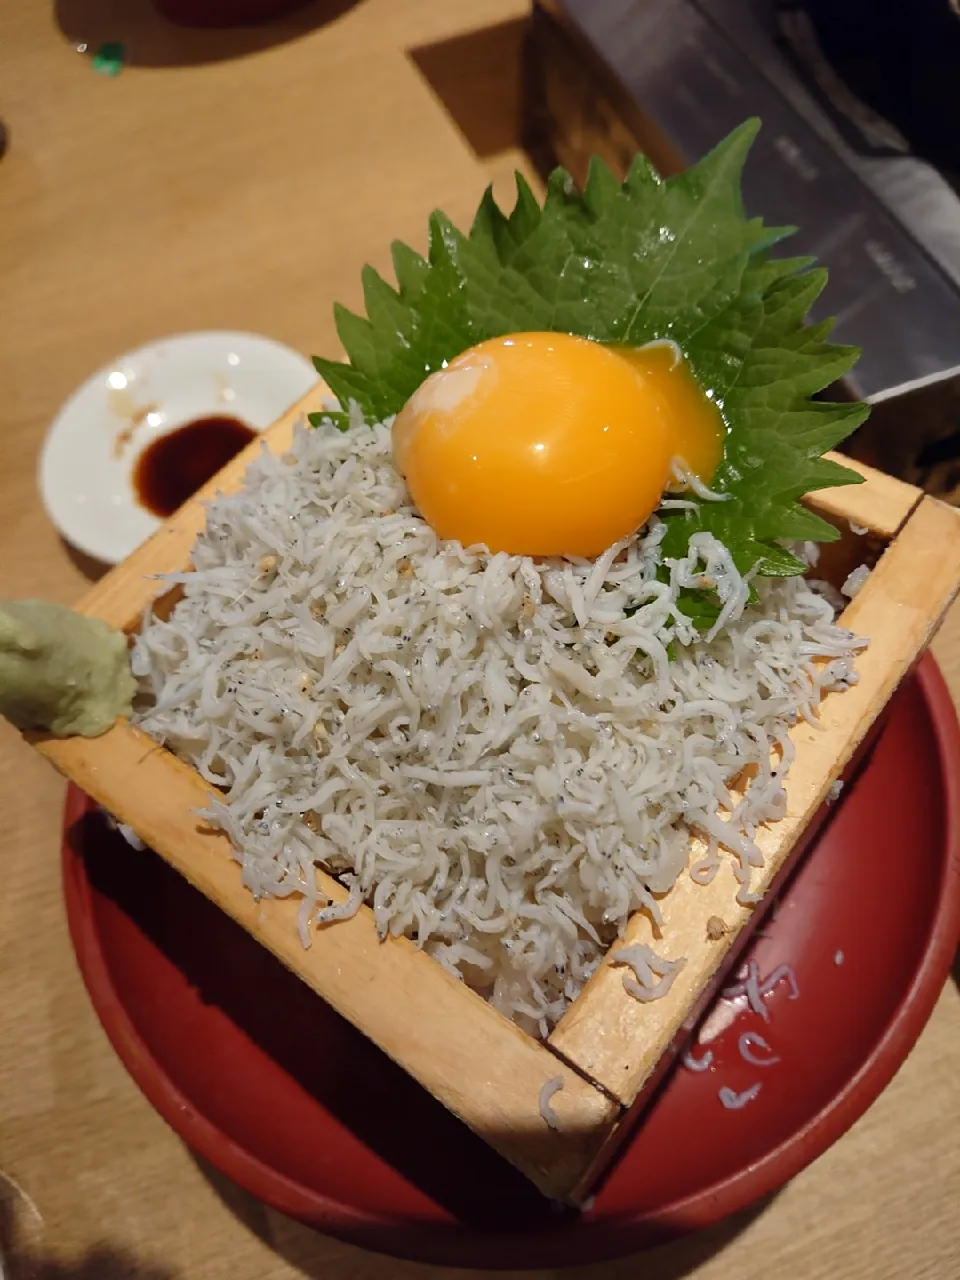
(198, 191)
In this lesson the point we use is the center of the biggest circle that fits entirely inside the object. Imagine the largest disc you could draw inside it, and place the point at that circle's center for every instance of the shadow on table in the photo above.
(101, 1263)
(151, 40)
(478, 79)
(19, 1261)
(91, 568)
(315, 1254)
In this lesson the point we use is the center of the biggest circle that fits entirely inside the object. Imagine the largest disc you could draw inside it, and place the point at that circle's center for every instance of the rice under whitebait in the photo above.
(855, 581)
(508, 755)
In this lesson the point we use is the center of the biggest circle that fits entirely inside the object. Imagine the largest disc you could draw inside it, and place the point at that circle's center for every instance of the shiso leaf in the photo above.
(631, 262)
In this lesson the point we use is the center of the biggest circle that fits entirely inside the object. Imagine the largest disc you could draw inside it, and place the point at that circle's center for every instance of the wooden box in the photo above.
(608, 1050)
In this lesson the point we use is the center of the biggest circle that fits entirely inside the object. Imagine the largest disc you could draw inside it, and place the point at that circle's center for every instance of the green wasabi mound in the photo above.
(60, 671)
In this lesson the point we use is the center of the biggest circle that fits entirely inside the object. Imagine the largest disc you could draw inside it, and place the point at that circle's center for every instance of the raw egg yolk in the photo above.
(697, 429)
(543, 444)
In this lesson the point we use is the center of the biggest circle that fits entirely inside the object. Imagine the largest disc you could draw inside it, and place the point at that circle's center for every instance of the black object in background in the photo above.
(902, 58)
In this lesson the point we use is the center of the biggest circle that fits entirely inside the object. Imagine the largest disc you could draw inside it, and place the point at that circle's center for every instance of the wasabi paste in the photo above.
(60, 671)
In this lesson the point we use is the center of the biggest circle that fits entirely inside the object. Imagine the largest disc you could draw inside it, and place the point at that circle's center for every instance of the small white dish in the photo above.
(86, 471)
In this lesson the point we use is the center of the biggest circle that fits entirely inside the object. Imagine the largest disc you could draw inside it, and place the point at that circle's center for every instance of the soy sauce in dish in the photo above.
(175, 465)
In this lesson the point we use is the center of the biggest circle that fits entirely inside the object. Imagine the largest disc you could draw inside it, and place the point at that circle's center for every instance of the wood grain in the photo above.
(606, 1035)
(485, 1071)
(880, 505)
(471, 1058)
(163, 201)
(617, 1040)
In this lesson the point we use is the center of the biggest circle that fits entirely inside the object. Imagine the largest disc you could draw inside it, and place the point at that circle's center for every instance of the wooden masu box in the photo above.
(609, 1050)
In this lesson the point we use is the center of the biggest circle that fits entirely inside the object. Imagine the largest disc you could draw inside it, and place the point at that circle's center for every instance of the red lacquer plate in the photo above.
(261, 1078)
